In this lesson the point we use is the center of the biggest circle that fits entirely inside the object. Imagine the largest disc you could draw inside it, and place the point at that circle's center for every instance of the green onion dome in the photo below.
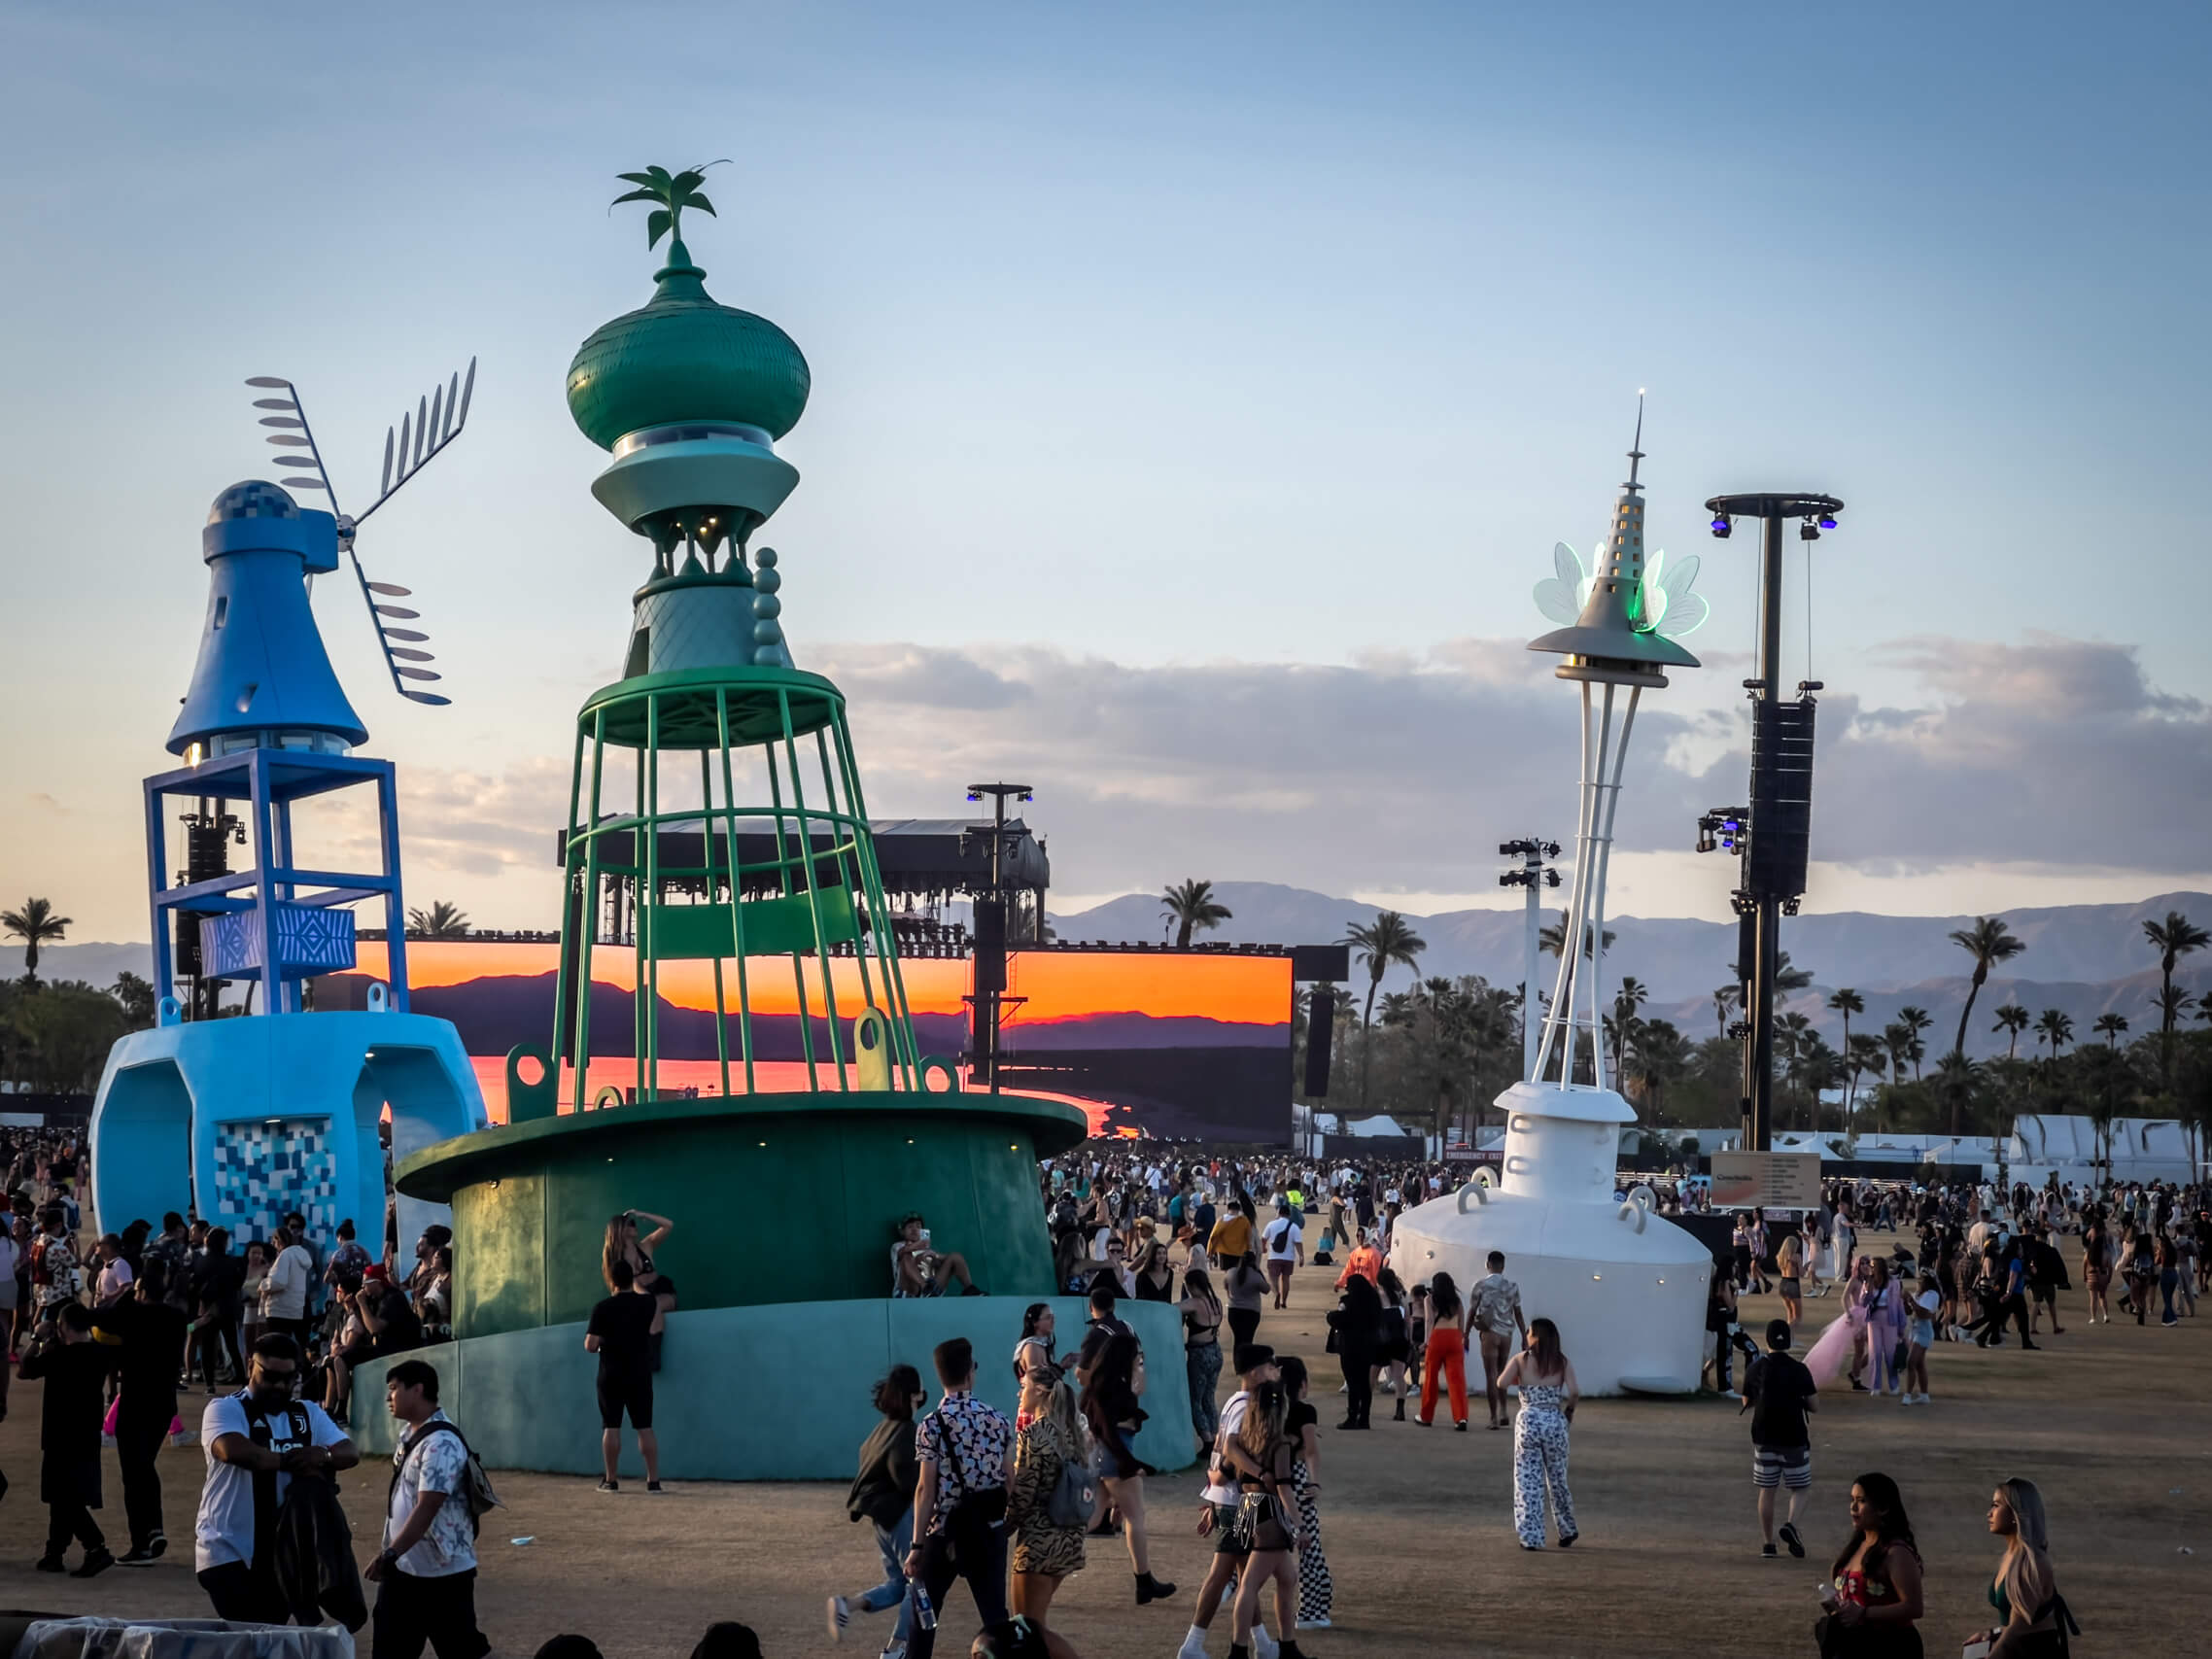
(683, 358)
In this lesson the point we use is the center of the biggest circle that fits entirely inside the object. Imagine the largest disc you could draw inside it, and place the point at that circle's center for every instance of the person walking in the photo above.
(1317, 1590)
(1445, 1358)
(1356, 1331)
(1256, 1368)
(425, 1572)
(216, 1290)
(2033, 1619)
(1920, 1337)
(1263, 1454)
(1873, 1589)
(1110, 1407)
(1778, 1391)
(1046, 1550)
(257, 1442)
(2096, 1269)
(1496, 1322)
(883, 1495)
(152, 1334)
(1395, 1352)
(1545, 1377)
(1202, 1310)
(75, 1368)
(1790, 1262)
(621, 1334)
(284, 1292)
(1247, 1289)
(1285, 1243)
(964, 1451)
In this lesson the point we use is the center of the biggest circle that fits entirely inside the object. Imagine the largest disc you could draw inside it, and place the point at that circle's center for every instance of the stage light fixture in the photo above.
(1720, 527)
(1827, 521)
(1807, 533)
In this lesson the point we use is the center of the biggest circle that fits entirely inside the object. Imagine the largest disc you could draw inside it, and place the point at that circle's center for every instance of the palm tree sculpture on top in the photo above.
(1988, 940)
(1378, 943)
(674, 192)
(1192, 905)
(34, 924)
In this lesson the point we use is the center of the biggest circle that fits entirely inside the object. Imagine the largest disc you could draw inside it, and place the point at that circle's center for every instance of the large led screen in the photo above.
(1186, 1047)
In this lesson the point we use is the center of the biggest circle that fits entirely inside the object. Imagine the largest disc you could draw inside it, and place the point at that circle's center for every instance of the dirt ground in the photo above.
(2112, 1422)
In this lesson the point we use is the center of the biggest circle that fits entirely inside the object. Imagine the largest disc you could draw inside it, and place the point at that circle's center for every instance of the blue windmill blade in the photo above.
(293, 432)
(435, 421)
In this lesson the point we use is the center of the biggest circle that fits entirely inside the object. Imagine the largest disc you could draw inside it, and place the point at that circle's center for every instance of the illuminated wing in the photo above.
(1560, 595)
(1671, 608)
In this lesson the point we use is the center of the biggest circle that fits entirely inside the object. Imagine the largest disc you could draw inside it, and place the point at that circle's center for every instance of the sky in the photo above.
(1197, 395)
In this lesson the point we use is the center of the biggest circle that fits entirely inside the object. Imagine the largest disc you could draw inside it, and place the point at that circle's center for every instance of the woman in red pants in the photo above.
(1448, 1313)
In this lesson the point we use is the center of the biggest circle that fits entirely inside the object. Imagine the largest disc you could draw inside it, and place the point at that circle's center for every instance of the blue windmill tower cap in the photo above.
(263, 678)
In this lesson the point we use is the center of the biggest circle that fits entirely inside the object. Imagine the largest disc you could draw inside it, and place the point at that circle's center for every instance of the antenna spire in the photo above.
(1635, 445)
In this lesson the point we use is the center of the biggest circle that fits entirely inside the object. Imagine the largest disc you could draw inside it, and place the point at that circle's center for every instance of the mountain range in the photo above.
(2082, 959)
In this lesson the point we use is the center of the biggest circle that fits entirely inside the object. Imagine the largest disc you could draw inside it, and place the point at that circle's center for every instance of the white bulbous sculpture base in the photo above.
(1626, 1289)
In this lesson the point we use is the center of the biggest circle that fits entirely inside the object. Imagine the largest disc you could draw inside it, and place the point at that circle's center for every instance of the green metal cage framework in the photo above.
(718, 713)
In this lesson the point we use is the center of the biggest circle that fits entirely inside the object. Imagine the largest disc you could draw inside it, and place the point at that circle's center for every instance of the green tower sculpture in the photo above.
(718, 853)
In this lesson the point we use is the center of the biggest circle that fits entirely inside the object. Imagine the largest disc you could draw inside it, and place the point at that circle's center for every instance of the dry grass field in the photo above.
(2113, 1422)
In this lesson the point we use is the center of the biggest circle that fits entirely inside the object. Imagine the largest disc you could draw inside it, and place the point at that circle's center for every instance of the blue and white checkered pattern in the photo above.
(266, 1169)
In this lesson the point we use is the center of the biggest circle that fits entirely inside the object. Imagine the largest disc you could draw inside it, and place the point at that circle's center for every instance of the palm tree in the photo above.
(445, 920)
(1987, 941)
(2171, 1002)
(2110, 1025)
(1793, 1043)
(1662, 1055)
(1190, 904)
(1847, 1002)
(2055, 1028)
(2175, 937)
(1633, 995)
(34, 924)
(1790, 981)
(2012, 1020)
(1724, 998)
(1897, 1043)
(1957, 1080)
(1916, 1020)
(1380, 942)
(674, 192)
(1865, 1055)
(1551, 933)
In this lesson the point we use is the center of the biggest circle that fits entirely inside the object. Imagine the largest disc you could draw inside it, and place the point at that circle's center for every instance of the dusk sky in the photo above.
(1198, 393)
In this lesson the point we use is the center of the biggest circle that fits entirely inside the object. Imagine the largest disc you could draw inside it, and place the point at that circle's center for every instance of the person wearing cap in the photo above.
(1920, 1337)
(1778, 1391)
(1255, 1363)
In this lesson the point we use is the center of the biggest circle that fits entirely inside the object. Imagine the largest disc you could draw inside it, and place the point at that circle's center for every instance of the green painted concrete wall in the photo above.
(764, 1393)
(775, 1200)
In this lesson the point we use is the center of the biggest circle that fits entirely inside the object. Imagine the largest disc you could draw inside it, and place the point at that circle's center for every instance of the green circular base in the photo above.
(775, 1198)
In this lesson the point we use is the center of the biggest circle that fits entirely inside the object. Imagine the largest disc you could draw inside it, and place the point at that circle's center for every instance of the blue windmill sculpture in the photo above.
(243, 1119)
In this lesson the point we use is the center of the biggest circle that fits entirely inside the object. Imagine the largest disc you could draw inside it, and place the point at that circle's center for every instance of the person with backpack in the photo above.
(426, 1573)
(1048, 1504)
(257, 1442)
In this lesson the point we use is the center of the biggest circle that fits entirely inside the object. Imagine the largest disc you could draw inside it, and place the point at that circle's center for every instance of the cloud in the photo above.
(1403, 772)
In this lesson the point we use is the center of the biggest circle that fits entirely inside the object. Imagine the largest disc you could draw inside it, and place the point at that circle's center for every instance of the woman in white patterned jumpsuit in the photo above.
(1548, 1392)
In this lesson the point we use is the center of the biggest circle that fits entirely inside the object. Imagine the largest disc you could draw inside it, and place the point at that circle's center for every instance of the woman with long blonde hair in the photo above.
(1052, 1436)
(2033, 1616)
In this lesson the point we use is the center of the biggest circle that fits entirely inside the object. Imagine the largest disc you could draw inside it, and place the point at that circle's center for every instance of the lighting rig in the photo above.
(1772, 835)
(1535, 875)
(990, 1000)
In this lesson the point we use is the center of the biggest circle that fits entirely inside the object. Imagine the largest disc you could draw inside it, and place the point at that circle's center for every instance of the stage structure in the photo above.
(1626, 1289)
(714, 783)
(272, 1107)
(1772, 835)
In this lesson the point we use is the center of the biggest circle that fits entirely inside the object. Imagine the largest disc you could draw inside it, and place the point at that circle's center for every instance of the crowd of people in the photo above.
(1005, 1509)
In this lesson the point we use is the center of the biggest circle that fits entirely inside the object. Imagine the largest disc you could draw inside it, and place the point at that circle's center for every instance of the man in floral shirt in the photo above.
(426, 1574)
(54, 1272)
(966, 1453)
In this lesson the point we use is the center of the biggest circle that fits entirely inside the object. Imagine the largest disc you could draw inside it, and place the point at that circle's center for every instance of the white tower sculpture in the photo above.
(1626, 1289)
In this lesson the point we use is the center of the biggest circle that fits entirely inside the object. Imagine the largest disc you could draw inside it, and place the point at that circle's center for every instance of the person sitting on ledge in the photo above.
(917, 1270)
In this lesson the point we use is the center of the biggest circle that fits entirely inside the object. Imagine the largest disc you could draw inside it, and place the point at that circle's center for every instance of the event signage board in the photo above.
(1757, 1180)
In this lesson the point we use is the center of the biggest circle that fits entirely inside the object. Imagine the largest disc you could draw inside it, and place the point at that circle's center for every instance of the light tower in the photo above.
(1533, 877)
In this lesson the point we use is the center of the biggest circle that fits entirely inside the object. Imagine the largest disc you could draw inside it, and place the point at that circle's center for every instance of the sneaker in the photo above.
(1193, 1646)
(51, 1564)
(893, 1649)
(654, 1489)
(610, 1486)
(139, 1556)
(840, 1615)
(95, 1564)
(1321, 1623)
(1264, 1646)
(1789, 1535)
(1858, 1387)
(1768, 1552)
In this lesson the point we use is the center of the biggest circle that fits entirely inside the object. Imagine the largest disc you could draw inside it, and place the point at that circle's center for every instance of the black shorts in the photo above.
(618, 1395)
(1224, 1532)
